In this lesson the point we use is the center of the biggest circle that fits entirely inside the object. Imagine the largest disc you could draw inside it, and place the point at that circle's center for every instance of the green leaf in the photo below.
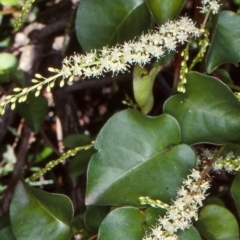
(8, 65)
(78, 226)
(217, 223)
(36, 214)
(235, 191)
(142, 87)
(225, 47)
(235, 148)
(11, 2)
(223, 75)
(33, 111)
(135, 158)
(236, 2)
(106, 23)
(6, 232)
(152, 216)
(189, 234)
(207, 112)
(122, 223)
(79, 163)
(76, 140)
(94, 216)
(214, 201)
(165, 10)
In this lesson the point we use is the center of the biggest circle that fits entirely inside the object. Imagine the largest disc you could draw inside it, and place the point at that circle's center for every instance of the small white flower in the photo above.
(139, 51)
(212, 5)
(184, 208)
(195, 175)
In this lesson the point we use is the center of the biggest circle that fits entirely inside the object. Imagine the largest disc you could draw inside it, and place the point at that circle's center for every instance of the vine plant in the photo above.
(150, 178)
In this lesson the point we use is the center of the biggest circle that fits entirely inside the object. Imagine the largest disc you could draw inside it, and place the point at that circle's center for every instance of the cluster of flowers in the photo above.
(116, 59)
(185, 207)
(140, 51)
(229, 162)
(210, 5)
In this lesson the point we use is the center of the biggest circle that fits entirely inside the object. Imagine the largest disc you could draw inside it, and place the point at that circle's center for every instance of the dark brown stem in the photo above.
(23, 149)
(209, 167)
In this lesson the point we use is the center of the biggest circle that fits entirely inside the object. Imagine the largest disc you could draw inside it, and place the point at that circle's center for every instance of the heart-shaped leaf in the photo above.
(135, 155)
(217, 223)
(122, 223)
(106, 23)
(165, 10)
(225, 47)
(33, 111)
(207, 112)
(36, 214)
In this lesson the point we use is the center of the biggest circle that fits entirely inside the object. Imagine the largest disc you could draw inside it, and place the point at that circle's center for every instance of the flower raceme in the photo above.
(179, 215)
(116, 59)
(140, 51)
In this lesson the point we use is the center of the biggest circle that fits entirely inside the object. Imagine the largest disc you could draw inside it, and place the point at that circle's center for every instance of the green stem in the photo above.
(53, 163)
(232, 86)
(205, 19)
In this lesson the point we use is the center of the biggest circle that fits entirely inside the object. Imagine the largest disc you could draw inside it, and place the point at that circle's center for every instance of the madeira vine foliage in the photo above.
(149, 175)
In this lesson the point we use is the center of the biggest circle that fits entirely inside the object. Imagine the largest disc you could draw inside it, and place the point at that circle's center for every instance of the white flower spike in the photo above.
(140, 51)
(184, 208)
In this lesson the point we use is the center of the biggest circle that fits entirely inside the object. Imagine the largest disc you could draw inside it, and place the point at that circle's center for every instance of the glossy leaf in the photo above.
(217, 223)
(6, 232)
(78, 226)
(122, 223)
(142, 87)
(189, 234)
(235, 191)
(36, 214)
(79, 163)
(76, 140)
(214, 201)
(152, 216)
(231, 147)
(94, 216)
(106, 23)
(225, 47)
(135, 158)
(223, 75)
(207, 112)
(165, 10)
(33, 111)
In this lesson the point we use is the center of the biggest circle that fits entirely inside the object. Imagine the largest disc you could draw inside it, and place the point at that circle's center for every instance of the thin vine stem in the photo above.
(214, 159)
(52, 164)
(205, 19)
